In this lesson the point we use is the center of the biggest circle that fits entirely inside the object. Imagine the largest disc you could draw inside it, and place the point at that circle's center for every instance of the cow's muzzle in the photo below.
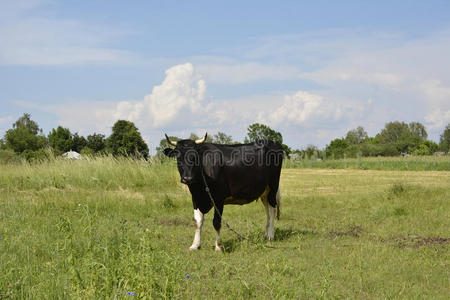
(186, 179)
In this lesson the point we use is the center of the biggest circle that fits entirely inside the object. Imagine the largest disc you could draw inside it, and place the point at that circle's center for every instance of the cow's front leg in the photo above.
(266, 206)
(198, 216)
(270, 212)
(217, 223)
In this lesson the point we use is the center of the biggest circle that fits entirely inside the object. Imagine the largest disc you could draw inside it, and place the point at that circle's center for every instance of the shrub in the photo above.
(8, 156)
(422, 150)
(38, 155)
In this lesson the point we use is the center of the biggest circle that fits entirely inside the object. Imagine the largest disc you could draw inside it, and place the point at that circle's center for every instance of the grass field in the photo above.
(398, 163)
(106, 228)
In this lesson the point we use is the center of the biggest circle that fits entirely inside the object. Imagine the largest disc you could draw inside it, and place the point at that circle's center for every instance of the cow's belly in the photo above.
(242, 201)
(231, 200)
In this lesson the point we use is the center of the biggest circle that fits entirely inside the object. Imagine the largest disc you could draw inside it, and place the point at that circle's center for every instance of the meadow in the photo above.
(120, 228)
(398, 163)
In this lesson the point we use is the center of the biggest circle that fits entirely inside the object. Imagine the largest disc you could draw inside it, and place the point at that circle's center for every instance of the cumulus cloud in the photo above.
(236, 72)
(182, 92)
(180, 106)
(299, 108)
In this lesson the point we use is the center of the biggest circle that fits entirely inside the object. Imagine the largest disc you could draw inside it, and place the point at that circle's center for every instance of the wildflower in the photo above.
(131, 293)
(187, 276)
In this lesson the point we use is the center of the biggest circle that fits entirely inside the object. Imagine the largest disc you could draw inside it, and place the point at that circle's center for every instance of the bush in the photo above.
(422, 150)
(8, 156)
(38, 155)
(87, 151)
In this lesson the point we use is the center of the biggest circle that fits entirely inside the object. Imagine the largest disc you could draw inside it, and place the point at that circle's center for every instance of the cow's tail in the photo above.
(278, 197)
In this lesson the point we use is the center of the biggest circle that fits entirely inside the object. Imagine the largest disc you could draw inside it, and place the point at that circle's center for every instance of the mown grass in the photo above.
(406, 163)
(103, 227)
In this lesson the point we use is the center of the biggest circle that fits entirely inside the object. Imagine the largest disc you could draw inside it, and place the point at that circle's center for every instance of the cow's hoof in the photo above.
(193, 248)
(218, 249)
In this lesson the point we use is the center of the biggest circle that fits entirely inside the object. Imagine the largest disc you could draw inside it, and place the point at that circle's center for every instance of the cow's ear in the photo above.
(211, 165)
(169, 152)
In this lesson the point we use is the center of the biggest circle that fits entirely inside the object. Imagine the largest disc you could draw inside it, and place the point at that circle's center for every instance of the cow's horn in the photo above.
(170, 142)
(199, 141)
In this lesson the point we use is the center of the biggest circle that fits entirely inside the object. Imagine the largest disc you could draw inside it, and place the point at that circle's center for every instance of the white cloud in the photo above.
(438, 119)
(351, 80)
(180, 94)
(30, 39)
(237, 72)
(85, 117)
(301, 107)
(179, 106)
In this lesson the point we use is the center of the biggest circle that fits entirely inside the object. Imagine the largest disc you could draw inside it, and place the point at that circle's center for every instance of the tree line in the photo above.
(396, 138)
(26, 140)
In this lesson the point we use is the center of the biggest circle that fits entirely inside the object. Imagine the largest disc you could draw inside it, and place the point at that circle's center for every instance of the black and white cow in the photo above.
(235, 174)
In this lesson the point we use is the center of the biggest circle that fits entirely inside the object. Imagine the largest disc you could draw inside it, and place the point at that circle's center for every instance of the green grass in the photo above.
(100, 228)
(407, 163)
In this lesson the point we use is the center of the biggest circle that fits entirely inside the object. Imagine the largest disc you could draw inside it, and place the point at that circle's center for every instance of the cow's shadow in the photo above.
(257, 239)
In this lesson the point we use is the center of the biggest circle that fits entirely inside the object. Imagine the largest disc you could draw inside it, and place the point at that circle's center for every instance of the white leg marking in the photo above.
(198, 216)
(271, 232)
(278, 197)
(218, 246)
(266, 206)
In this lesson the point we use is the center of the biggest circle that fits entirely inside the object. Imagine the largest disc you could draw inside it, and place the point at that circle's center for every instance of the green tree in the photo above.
(126, 140)
(422, 150)
(310, 151)
(393, 132)
(79, 142)
(25, 123)
(258, 131)
(444, 141)
(222, 138)
(25, 135)
(337, 148)
(418, 129)
(356, 136)
(60, 139)
(406, 138)
(96, 142)
(431, 145)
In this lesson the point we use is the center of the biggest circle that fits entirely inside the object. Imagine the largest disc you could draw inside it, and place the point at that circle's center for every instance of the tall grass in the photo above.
(104, 172)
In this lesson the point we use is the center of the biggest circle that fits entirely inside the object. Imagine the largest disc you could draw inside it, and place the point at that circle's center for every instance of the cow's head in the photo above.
(188, 154)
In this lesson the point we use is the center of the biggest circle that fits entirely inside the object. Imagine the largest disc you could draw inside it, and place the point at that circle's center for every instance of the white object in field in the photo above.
(72, 155)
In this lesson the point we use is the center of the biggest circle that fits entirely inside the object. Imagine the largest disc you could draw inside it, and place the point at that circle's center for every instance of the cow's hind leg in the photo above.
(217, 223)
(272, 210)
(266, 206)
(198, 216)
(278, 203)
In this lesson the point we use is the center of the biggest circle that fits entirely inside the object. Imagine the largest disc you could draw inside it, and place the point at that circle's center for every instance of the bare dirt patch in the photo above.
(353, 231)
(415, 241)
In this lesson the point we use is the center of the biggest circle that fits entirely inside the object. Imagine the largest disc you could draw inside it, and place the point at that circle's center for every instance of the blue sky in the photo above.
(311, 69)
